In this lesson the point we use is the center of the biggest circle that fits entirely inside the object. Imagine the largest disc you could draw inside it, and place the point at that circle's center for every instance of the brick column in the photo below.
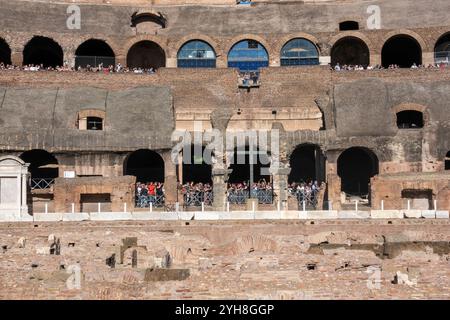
(280, 183)
(220, 188)
(17, 58)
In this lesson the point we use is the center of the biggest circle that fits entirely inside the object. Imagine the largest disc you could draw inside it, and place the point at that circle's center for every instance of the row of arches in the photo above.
(248, 54)
(355, 166)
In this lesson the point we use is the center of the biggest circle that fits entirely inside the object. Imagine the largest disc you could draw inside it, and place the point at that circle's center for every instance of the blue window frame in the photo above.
(196, 54)
(248, 56)
(299, 52)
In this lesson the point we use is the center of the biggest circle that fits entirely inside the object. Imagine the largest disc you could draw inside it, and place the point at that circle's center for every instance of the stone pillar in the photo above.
(280, 183)
(23, 203)
(170, 179)
(375, 59)
(17, 58)
(428, 58)
(220, 188)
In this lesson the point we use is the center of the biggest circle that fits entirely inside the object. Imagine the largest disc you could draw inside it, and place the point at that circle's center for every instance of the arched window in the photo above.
(94, 52)
(307, 164)
(401, 50)
(196, 54)
(146, 54)
(91, 119)
(348, 25)
(409, 119)
(5, 52)
(442, 49)
(299, 52)
(350, 51)
(248, 56)
(447, 161)
(146, 165)
(195, 168)
(42, 50)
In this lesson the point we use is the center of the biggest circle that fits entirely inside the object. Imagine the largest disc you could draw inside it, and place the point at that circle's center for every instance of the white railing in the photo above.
(41, 183)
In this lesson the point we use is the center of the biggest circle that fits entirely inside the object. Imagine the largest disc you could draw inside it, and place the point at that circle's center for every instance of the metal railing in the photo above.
(41, 183)
(145, 201)
(309, 199)
(442, 57)
(94, 61)
(241, 196)
(196, 198)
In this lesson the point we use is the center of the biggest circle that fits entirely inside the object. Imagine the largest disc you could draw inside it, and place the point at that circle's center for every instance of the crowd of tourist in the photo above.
(118, 68)
(238, 193)
(194, 194)
(305, 191)
(152, 192)
(346, 67)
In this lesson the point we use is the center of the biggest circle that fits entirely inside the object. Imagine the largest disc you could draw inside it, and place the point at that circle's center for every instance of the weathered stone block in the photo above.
(386, 214)
(48, 217)
(353, 215)
(322, 214)
(416, 214)
(82, 216)
(110, 216)
(166, 274)
(429, 214)
(442, 214)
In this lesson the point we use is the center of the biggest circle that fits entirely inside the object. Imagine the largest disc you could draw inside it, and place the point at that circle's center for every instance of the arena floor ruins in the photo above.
(327, 259)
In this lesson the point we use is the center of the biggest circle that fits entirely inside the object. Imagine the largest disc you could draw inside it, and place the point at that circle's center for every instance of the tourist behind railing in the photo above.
(238, 193)
(249, 78)
(194, 194)
(152, 192)
(414, 66)
(305, 192)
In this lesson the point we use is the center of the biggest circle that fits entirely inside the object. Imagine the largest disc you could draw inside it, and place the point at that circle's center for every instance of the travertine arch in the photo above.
(351, 34)
(248, 36)
(435, 40)
(111, 43)
(145, 37)
(412, 107)
(175, 48)
(285, 39)
(423, 46)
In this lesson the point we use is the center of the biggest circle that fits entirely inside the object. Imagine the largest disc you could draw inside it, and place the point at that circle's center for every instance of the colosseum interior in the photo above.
(349, 101)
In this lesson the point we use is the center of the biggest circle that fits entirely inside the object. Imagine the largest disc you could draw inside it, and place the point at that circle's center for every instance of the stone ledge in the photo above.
(332, 214)
(111, 216)
(442, 214)
(353, 215)
(386, 214)
(82, 216)
(415, 214)
(428, 214)
(48, 217)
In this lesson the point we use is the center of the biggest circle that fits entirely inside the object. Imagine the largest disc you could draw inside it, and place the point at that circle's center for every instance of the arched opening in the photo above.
(442, 49)
(409, 119)
(350, 51)
(196, 167)
(307, 165)
(43, 51)
(249, 166)
(299, 52)
(196, 54)
(146, 54)
(447, 161)
(248, 56)
(5, 52)
(355, 167)
(43, 168)
(94, 52)
(348, 25)
(401, 50)
(146, 165)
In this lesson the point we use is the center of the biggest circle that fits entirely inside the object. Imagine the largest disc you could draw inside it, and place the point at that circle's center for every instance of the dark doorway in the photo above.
(447, 161)
(43, 165)
(418, 199)
(409, 119)
(145, 165)
(247, 169)
(355, 167)
(307, 164)
(94, 52)
(196, 167)
(42, 50)
(350, 51)
(5, 52)
(401, 50)
(146, 54)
